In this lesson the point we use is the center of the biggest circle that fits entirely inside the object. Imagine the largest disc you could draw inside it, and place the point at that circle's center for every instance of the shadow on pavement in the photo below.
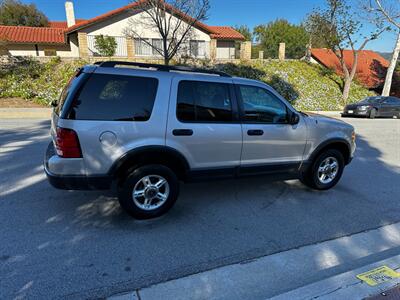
(57, 243)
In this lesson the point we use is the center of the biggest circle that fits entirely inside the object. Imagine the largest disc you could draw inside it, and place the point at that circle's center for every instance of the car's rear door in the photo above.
(385, 108)
(395, 106)
(203, 122)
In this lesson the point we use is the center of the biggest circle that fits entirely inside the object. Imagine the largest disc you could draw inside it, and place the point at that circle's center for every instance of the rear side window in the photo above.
(394, 100)
(200, 101)
(70, 86)
(115, 98)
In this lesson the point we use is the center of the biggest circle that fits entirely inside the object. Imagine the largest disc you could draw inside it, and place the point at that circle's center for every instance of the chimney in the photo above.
(69, 11)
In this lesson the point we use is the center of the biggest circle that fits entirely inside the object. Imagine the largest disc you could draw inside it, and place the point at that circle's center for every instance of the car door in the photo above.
(203, 122)
(395, 106)
(385, 107)
(268, 138)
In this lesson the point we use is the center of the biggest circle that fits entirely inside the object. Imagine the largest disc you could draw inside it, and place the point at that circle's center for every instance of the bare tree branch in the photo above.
(173, 20)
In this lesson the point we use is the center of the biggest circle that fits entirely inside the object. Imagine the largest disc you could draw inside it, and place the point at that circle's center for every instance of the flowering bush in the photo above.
(307, 86)
(41, 82)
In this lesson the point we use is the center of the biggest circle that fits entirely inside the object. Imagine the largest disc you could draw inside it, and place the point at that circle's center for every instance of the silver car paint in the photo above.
(322, 128)
(279, 143)
(211, 146)
(99, 156)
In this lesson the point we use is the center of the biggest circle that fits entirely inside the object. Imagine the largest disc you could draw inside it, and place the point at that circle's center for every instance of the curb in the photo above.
(346, 285)
(327, 113)
(25, 113)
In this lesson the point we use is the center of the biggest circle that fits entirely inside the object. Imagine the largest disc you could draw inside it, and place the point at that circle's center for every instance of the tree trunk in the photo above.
(166, 61)
(346, 89)
(165, 51)
(349, 77)
(390, 70)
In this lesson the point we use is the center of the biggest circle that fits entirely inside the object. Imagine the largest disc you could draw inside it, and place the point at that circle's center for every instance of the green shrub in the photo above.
(41, 82)
(106, 45)
(307, 86)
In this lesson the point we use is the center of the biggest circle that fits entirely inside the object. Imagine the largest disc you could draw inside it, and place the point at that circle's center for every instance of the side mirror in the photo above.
(294, 119)
(54, 103)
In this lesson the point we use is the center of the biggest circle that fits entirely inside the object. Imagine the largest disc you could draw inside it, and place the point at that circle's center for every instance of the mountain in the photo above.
(385, 55)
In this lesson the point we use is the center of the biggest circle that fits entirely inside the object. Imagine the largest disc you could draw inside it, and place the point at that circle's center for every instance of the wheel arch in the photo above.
(341, 145)
(162, 155)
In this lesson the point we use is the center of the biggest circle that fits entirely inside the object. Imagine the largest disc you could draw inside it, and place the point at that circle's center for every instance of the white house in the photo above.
(76, 38)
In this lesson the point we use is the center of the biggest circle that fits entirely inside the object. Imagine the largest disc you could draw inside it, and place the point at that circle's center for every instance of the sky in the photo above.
(222, 12)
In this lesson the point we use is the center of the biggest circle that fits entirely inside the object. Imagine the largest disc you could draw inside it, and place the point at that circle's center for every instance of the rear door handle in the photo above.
(255, 132)
(182, 132)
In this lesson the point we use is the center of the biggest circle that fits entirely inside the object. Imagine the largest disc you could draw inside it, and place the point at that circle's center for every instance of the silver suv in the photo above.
(142, 128)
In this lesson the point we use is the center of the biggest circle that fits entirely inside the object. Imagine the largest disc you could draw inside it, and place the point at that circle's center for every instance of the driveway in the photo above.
(75, 244)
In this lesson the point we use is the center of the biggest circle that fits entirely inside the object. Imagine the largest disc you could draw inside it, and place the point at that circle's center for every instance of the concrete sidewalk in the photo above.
(25, 113)
(326, 270)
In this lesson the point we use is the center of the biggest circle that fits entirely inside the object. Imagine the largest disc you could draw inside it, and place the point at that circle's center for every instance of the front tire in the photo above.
(373, 113)
(149, 191)
(326, 170)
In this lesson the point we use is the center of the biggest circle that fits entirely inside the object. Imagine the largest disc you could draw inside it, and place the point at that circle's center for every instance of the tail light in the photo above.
(67, 143)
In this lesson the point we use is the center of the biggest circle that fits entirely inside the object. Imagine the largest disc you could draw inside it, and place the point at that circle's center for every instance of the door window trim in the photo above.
(233, 98)
(241, 107)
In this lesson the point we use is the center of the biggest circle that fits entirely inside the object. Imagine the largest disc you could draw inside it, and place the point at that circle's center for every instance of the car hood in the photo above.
(322, 119)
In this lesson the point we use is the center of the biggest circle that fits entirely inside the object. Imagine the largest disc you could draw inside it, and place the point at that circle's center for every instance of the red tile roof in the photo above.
(57, 30)
(371, 67)
(102, 17)
(225, 32)
(25, 34)
(63, 24)
(217, 32)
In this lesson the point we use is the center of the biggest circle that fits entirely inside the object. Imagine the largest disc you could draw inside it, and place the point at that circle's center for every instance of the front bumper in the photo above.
(355, 112)
(74, 182)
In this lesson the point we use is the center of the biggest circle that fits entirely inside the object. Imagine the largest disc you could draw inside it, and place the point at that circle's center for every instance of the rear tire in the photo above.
(373, 113)
(149, 191)
(322, 174)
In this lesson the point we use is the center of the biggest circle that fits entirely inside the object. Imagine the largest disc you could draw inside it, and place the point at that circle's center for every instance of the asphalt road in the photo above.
(75, 244)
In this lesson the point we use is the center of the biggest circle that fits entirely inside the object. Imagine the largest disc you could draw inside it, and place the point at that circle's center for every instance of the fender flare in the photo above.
(159, 150)
(328, 142)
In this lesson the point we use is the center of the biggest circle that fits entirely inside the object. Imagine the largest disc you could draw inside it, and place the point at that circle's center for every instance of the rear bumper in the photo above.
(74, 182)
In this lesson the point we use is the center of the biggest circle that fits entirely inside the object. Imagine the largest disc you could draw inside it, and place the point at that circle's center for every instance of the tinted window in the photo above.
(204, 101)
(393, 100)
(371, 100)
(115, 98)
(260, 105)
(71, 85)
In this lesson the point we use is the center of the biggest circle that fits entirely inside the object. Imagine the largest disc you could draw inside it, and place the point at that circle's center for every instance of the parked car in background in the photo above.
(372, 107)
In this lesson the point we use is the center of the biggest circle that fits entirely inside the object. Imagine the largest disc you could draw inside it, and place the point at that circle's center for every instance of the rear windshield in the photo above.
(115, 98)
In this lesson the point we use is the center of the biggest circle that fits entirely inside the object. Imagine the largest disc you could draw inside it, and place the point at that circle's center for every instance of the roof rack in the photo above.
(112, 64)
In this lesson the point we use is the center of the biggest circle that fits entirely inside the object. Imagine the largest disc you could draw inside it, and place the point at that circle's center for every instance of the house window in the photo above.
(50, 52)
(197, 48)
(143, 48)
(157, 44)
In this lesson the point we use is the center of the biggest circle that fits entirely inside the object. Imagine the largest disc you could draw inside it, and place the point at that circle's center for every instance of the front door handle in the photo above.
(182, 132)
(255, 132)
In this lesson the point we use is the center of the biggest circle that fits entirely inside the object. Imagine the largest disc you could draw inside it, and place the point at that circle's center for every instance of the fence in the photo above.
(121, 50)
